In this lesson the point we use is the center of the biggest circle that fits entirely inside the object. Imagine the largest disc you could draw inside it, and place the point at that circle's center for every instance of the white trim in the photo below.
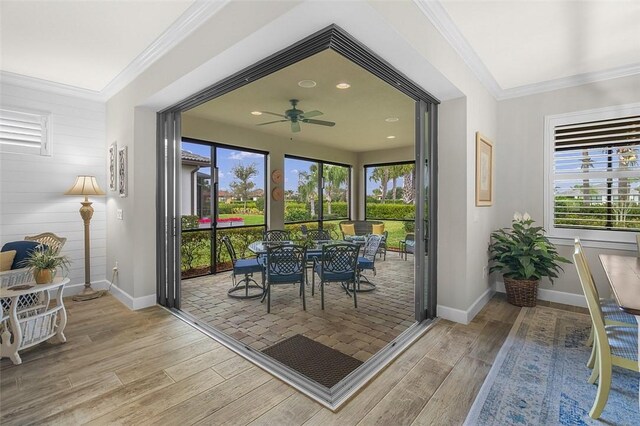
(620, 240)
(434, 11)
(570, 81)
(49, 86)
(196, 15)
(553, 296)
(192, 18)
(465, 317)
(133, 303)
(598, 244)
(438, 16)
(73, 289)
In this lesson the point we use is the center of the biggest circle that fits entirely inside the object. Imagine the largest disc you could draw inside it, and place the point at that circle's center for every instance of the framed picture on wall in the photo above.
(112, 158)
(122, 172)
(484, 171)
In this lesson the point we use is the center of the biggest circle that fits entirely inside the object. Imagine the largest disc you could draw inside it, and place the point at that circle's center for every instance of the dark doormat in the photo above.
(312, 359)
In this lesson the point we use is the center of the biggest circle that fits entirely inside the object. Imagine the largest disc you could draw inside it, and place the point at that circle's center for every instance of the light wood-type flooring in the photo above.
(149, 367)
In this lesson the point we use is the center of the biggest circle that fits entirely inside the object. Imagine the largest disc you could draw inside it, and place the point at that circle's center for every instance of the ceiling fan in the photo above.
(297, 116)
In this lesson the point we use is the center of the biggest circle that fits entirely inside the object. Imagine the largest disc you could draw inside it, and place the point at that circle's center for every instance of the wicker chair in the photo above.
(50, 239)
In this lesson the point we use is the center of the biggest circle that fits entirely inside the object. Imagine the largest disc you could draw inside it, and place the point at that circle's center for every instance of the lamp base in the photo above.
(88, 294)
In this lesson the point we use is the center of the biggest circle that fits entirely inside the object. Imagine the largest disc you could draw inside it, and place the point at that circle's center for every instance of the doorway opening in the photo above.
(316, 123)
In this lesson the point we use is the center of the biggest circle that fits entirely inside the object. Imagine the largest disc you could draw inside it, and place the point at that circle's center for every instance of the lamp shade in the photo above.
(85, 185)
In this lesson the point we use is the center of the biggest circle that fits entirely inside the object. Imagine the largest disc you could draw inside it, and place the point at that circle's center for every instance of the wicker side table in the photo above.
(28, 319)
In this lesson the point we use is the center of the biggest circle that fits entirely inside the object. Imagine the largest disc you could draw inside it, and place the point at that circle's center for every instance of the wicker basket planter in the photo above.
(521, 292)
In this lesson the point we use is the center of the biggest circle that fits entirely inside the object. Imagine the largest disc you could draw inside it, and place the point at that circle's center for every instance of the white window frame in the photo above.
(45, 143)
(622, 240)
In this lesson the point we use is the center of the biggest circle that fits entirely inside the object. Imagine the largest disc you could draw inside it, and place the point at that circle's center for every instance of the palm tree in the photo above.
(408, 179)
(334, 177)
(381, 174)
(308, 187)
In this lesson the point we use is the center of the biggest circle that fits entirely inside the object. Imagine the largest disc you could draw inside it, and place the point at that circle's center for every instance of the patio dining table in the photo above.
(260, 247)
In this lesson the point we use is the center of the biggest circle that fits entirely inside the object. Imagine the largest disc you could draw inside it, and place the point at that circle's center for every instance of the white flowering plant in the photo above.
(523, 252)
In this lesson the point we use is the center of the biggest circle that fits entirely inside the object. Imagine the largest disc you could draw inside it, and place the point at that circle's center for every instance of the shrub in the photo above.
(296, 215)
(189, 221)
(390, 211)
(192, 242)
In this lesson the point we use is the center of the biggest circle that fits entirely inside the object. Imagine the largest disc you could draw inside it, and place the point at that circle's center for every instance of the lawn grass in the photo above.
(249, 219)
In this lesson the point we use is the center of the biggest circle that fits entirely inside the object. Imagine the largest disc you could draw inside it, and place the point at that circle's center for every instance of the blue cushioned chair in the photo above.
(368, 260)
(23, 250)
(246, 267)
(338, 263)
(285, 265)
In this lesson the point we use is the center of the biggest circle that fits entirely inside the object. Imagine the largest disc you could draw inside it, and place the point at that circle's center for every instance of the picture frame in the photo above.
(112, 158)
(484, 171)
(123, 172)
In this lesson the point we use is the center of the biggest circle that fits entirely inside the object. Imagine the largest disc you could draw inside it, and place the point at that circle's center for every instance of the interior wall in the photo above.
(32, 186)
(244, 32)
(200, 128)
(520, 173)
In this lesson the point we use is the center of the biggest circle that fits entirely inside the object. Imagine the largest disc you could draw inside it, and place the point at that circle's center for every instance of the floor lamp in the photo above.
(86, 185)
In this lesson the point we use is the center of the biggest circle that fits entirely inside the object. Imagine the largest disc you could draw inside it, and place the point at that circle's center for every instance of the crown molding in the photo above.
(439, 17)
(192, 18)
(20, 80)
(436, 13)
(570, 81)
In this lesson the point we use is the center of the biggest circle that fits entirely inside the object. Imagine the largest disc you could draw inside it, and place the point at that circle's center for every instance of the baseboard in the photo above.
(465, 317)
(73, 289)
(133, 303)
(553, 296)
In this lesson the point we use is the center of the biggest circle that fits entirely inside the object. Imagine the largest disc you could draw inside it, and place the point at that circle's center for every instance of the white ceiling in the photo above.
(359, 112)
(86, 43)
(516, 43)
(528, 42)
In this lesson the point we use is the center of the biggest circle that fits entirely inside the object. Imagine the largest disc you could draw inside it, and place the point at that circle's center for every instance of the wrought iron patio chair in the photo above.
(318, 235)
(276, 235)
(368, 261)
(408, 245)
(614, 344)
(337, 263)
(285, 265)
(246, 267)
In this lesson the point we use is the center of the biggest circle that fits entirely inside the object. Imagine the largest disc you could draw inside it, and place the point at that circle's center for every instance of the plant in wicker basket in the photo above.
(44, 262)
(523, 254)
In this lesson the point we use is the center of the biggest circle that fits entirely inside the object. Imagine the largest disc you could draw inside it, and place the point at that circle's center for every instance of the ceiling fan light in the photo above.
(343, 85)
(256, 112)
(391, 137)
(391, 119)
(307, 84)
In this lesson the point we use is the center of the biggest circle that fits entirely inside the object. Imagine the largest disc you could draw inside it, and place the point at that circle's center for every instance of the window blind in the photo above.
(597, 174)
(23, 132)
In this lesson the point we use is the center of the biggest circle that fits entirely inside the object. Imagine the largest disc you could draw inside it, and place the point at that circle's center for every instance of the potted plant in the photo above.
(44, 262)
(523, 254)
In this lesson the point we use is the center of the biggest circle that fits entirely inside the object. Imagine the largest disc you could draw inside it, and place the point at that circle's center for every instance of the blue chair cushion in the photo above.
(284, 279)
(612, 312)
(23, 250)
(247, 266)
(365, 263)
(333, 276)
(623, 341)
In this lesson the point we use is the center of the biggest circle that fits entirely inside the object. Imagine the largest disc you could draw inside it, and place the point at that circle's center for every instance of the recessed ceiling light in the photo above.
(391, 137)
(256, 112)
(391, 119)
(307, 83)
(343, 85)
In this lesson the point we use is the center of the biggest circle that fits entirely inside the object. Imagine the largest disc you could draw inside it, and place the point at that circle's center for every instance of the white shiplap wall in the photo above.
(32, 186)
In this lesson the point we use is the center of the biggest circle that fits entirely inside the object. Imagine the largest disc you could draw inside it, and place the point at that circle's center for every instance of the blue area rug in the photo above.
(540, 377)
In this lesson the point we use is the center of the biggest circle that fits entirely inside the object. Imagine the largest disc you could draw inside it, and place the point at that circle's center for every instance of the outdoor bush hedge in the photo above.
(390, 211)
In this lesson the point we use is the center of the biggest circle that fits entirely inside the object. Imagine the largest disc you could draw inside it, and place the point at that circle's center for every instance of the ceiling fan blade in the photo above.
(320, 122)
(295, 126)
(274, 113)
(271, 122)
(310, 114)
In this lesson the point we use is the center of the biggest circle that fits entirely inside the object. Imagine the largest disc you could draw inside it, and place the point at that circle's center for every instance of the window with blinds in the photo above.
(596, 174)
(24, 132)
